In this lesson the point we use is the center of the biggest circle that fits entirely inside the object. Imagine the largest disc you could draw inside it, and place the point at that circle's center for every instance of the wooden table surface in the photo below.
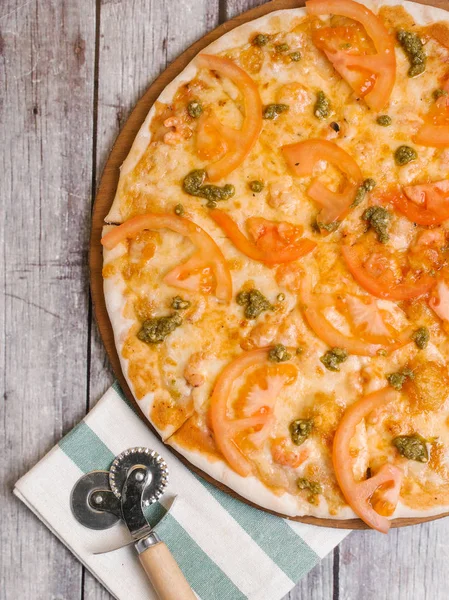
(70, 71)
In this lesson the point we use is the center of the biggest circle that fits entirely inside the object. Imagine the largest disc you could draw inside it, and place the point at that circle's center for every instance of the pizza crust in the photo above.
(114, 287)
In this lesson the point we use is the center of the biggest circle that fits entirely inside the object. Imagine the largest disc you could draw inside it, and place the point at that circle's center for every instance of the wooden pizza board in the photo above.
(103, 202)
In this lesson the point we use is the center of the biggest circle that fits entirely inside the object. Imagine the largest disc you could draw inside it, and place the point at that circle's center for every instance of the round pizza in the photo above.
(276, 261)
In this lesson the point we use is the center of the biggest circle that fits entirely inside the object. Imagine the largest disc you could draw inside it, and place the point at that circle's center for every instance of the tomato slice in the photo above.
(240, 143)
(273, 242)
(426, 204)
(382, 282)
(440, 300)
(369, 331)
(213, 139)
(208, 255)
(435, 131)
(226, 428)
(371, 75)
(302, 157)
(359, 494)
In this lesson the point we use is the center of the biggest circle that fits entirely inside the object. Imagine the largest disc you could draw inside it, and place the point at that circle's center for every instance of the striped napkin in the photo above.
(226, 549)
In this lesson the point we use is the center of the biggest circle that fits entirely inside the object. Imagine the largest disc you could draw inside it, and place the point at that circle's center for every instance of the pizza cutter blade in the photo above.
(138, 477)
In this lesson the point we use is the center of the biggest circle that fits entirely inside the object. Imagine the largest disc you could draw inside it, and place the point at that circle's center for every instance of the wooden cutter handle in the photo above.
(164, 573)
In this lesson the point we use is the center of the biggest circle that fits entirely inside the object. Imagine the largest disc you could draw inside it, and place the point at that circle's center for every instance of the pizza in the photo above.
(276, 261)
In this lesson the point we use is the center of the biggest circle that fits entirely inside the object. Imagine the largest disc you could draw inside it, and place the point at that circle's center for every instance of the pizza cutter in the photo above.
(137, 478)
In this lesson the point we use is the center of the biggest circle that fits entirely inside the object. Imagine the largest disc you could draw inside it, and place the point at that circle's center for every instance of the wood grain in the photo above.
(104, 201)
(46, 85)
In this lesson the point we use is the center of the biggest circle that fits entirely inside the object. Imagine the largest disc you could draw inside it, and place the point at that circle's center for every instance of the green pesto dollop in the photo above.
(384, 120)
(397, 380)
(193, 185)
(378, 218)
(437, 94)
(179, 210)
(367, 186)
(256, 186)
(312, 486)
(154, 331)
(279, 353)
(414, 49)
(272, 111)
(295, 56)
(195, 109)
(330, 227)
(282, 48)
(254, 303)
(300, 429)
(179, 303)
(421, 337)
(322, 107)
(412, 447)
(260, 40)
(333, 358)
(280, 297)
(404, 155)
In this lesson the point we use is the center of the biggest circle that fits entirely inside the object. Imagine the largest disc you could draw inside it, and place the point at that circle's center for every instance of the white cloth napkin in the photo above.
(226, 549)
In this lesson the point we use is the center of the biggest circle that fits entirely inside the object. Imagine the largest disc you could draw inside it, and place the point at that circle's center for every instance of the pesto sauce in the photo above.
(404, 155)
(256, 186)
(300, 429)
(193, 185)
(384, 120)
(421, 337)
(154, 331)
(280, 48)
(254, 302)
(397, 380)
(437, 94)
(333, 358)
(412, 447)
(312, 486)
(279, 353)
(330, 227)
(272, 111)
(322, 108)
(295, 56)
(378, 218)
(367, 186)
(414, 49)
(179, 303)
(260, 40)
(179, 210)
(195, 109)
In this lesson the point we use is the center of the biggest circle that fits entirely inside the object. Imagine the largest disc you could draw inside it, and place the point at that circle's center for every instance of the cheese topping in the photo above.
(172, 365)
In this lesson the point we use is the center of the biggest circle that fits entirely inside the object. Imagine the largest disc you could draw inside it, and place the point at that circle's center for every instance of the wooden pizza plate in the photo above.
(103, 203)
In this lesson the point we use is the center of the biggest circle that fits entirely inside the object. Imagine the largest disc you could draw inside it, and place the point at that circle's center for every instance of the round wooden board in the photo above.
(103, 202)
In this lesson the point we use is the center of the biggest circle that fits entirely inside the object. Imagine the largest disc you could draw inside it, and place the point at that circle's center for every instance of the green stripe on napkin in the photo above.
(216, 585)
(86, 449)
(293, 555)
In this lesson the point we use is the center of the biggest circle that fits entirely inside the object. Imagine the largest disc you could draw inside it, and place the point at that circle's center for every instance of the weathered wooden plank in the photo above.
(407, 564)
(46, 58)
(318, 585)
(231, 8)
